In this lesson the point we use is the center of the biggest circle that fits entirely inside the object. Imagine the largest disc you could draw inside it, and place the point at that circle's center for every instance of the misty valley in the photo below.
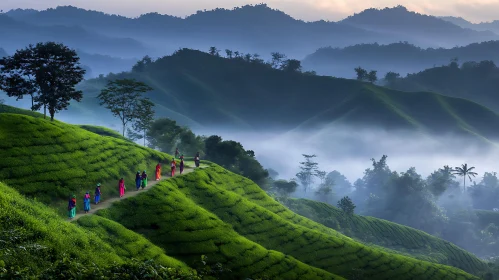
(244, 143)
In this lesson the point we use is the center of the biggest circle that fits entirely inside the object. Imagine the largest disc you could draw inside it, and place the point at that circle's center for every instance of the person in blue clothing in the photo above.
(86, 202)
(97, 194)
(138, 180)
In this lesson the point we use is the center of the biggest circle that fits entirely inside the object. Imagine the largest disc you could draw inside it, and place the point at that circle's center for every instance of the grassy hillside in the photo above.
(52, 160)
(205, 90)
(220, 214)
(209, 212)
(403, 239)
(34, 238)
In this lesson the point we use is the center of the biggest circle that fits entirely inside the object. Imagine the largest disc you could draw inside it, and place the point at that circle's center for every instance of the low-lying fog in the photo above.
(342, 148)
(349, 150)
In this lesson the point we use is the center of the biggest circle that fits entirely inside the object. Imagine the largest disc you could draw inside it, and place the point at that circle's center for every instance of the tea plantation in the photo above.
(33, 238)
(225, 216)
(210, 212)
(397, 237)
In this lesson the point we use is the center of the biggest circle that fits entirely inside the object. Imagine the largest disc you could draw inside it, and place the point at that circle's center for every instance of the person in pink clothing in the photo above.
(121, 185)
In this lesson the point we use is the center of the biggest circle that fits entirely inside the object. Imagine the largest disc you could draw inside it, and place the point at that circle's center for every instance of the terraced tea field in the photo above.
(209, 211)
(390, 235)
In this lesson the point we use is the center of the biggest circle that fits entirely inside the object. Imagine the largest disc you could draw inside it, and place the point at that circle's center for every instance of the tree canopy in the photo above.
(48, 72)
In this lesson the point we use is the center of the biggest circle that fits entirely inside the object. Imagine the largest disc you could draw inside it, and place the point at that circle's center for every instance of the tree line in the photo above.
(437, 204)
(49, 72)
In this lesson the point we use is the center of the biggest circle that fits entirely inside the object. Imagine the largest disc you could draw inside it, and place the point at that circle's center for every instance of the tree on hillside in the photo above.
(291, 65)
(229, 53)
(464, 171)
(214, 51)
(346, 205)
(308, 169)
(439, 181)
(361, 73)
(142, 64)
(237, 54)
(326, 186)
(48, 72)
(123, 97)
(277, 60)
(247, 57)
(285, 188)
(372, 76)
(143, 121)
(165, 135)
(391, 77)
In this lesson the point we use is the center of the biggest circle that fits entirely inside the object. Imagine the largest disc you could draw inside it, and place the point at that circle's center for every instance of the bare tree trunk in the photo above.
(123, 130)
(44, 111)
(144, 137)
(464, 189)
(32, 102)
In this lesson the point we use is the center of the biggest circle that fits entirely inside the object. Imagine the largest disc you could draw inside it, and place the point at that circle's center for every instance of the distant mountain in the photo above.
(253, 96)
(3, 53)
(417, 28)
(105, 64)
(401, 57)
(259, 29)
(483, 26)
(476, 81)
(17, 34)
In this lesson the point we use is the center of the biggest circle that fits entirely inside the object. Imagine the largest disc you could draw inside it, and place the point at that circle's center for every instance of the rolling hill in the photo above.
(374, 231)
(210, 211)
(474, 80)
(17, 34)
(482, 26)
(202, 90)
(402, 58)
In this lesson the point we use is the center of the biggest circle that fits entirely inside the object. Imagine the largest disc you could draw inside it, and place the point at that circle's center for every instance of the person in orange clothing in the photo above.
(158, 171)
(173, 166)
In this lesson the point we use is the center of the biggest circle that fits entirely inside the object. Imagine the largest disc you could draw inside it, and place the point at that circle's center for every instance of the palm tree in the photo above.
(465, 171)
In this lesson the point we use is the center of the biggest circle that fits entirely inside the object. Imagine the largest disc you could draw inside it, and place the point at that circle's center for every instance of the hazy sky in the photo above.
(473, 10)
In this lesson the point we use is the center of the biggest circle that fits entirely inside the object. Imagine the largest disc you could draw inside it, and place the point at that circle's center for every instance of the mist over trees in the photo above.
(437, 204)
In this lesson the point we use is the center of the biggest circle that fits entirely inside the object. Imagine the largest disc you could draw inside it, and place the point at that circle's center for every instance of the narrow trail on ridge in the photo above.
(130, 191)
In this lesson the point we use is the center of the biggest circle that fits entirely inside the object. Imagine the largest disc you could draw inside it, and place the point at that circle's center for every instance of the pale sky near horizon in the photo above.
(472, 10)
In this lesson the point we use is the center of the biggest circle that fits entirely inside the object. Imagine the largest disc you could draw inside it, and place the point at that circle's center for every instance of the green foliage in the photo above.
(285, 188)
(51, 160)
(123, 97)
(474, 80)
(221, 215)
(33, 236)
(103, 131)
(126, 243)
(229, 96)
(48, 72)
(308, 170)
(232, 155)
(170, 217)
(346, 205)
(166, 135)
(464, 171)
(143, 121)
(402, 239)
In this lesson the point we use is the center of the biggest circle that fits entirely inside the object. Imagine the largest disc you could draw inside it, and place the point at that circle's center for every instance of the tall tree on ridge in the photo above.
(123, 97)
(48, 72)
(464, 171)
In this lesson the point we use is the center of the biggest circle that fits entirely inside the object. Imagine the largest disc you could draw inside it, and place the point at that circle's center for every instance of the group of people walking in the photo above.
(140, 182)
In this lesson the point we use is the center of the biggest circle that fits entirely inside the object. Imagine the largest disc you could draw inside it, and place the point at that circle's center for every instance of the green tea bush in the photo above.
(52, 160)
(227, 217)
(390, 235)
